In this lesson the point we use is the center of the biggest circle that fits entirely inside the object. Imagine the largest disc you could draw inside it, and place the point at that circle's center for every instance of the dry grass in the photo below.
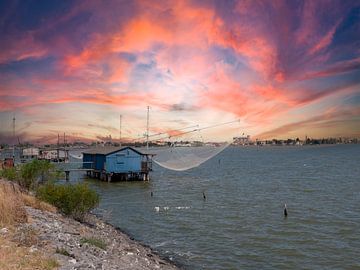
(35, 203)
(15, 251)
(14, 257)
(25, 235)
(12, 209)
(12, 202)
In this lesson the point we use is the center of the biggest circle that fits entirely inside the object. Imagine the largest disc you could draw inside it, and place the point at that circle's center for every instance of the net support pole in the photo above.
(120, 131)
(13, 153)
(147, 128)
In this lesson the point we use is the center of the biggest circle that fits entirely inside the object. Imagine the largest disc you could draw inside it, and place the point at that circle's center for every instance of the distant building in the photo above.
(241, 140)
(53, 155)
(30, 152)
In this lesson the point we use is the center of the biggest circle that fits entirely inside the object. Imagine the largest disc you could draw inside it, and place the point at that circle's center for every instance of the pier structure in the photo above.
(68, 167)
(121, 164)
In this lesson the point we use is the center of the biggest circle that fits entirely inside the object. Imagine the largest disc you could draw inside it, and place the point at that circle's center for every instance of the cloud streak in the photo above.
(258, 60)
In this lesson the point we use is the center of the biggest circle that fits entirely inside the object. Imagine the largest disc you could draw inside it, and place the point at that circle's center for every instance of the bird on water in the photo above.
(204, 196)
(285, 211)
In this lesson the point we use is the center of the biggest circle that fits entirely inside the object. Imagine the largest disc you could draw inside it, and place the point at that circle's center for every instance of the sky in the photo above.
(286, 69)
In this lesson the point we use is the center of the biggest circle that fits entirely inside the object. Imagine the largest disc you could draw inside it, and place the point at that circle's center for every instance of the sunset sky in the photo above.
(286, 69)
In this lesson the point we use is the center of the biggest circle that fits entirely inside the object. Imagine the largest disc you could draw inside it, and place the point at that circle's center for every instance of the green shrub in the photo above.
(31, 174)
(94, 241)
(72, 200)
(35, 172)
(9, 173)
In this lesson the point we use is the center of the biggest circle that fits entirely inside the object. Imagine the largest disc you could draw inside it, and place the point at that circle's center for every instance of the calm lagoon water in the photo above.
(240, 225)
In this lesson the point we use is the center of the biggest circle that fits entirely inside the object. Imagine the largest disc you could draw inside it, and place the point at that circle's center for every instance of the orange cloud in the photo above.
(268, 92)
(257, 50)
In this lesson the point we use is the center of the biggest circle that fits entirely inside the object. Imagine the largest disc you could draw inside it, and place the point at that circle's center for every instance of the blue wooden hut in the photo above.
(109, 163)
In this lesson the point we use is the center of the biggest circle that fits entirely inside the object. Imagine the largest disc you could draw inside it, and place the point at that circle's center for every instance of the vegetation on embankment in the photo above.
(16, 192)
(15, 251)
(74, 200)
(31, 175)
(34, 236)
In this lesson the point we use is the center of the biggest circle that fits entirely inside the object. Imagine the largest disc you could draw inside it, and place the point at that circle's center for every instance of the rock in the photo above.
(33, 249)
(65, 236)
(4, 231)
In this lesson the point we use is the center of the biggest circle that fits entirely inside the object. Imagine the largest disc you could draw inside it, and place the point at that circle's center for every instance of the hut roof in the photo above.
(111, 149)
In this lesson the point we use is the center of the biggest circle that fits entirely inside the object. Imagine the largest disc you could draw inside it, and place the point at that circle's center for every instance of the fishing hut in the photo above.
(122, 164)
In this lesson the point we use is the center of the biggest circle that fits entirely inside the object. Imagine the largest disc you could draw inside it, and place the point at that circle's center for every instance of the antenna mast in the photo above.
(14, 119)
(147, 128)
(120, 130)
(58, 146)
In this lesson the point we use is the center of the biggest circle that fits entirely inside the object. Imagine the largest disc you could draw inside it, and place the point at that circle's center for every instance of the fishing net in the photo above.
(79, 156)
(185, 157)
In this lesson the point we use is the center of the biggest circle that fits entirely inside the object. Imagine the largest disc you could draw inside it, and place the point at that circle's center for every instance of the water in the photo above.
(240, 225)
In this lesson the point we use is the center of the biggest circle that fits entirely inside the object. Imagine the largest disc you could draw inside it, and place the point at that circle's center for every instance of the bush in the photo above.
(35, 172)
(9, 173)
(31, 174)
(72, 200)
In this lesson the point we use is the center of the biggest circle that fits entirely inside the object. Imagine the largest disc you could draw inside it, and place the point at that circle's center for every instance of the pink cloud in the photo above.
(335, 69)
(247, 61)
(324, 41)
(330, 118)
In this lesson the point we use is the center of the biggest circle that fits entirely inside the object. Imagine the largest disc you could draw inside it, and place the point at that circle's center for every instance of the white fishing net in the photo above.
(78, 156)
(185, 157)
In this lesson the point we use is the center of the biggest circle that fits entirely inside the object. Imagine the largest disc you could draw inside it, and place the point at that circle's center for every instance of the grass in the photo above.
(26, 236)
(12, 209)
(13, 202)
(94, 242)
(14, 245)
(64, 252)
(37, 204)
(13, 256)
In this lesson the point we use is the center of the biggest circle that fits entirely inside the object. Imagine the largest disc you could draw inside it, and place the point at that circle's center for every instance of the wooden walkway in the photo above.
(68, 167)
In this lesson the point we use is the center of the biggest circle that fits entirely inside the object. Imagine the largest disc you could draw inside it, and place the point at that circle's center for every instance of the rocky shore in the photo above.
(91, 245)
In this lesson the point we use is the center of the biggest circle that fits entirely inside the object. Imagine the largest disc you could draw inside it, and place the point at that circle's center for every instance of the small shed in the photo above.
(126, 163)
(53, 154)
(31, 152)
